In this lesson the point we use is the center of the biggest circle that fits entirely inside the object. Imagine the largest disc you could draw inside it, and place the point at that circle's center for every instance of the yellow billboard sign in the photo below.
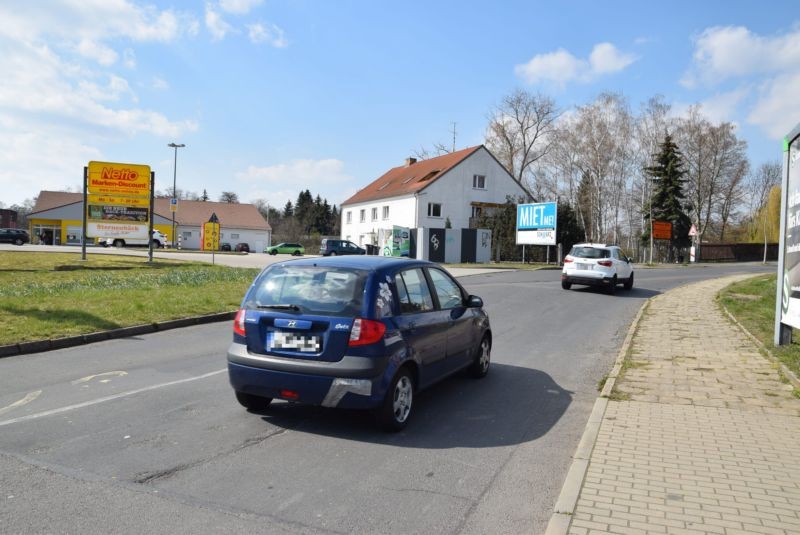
(124, 179)
(210, 240)
(127, 201)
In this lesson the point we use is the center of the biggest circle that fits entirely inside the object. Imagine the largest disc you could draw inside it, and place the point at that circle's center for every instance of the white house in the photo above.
(457, 186)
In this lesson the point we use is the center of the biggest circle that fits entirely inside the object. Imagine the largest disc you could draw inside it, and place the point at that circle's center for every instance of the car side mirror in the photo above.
(473, 301)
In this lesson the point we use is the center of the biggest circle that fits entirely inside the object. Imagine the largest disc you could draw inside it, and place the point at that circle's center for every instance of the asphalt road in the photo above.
(143, 434)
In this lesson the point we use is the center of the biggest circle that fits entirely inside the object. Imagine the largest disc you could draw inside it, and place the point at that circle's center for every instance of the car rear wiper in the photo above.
(280, 306)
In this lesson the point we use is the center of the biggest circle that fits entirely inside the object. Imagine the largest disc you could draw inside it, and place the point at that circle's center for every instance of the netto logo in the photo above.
(109, 173)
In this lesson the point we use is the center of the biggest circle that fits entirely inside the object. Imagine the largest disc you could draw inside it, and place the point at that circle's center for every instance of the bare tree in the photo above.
(712, 153)
(731, 195)
(229, 197)
(759, 185)
(519, 131)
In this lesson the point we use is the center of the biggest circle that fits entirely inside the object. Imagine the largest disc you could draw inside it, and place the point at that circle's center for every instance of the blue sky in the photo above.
(272, 97)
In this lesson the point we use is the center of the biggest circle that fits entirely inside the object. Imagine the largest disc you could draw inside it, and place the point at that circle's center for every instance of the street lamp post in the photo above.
(175, 146)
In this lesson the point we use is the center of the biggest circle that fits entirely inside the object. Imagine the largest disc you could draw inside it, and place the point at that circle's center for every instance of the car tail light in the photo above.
(568, 259)
(604, 263)
(366, 332)
(238, 323)
(290, 394)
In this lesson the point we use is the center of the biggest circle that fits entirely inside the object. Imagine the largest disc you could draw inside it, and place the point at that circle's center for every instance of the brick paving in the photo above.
(702, 435)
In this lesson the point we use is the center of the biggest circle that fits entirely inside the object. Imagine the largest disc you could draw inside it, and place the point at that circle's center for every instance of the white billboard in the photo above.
(536, 224)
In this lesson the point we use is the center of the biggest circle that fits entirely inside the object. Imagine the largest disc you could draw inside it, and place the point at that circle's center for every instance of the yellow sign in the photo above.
(210, 239)
(125, 179)
(127, 201)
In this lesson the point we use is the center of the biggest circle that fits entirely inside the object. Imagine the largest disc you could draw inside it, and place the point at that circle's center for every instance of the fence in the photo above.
(737, 252)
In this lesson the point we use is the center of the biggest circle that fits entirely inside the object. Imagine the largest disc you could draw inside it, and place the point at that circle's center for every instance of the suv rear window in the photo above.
(315, 290)
(590, 252)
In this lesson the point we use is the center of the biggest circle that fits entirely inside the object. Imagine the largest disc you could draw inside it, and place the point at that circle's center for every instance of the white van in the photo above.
(159, 241)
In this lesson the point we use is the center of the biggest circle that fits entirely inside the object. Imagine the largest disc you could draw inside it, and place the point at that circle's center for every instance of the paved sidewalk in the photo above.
(701, 436)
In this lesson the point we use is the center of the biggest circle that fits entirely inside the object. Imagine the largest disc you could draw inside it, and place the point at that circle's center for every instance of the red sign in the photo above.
(662, 230)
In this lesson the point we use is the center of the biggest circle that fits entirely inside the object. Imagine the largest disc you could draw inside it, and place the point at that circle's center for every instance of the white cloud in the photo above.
(776, 111)
(270, 33)
(561, 67)
(238, 7)
(216, 26)
(99, 52)
(160, 84)
(297, 171)
(605, 59)
(733, 51)
(772, 62)
(129, 58)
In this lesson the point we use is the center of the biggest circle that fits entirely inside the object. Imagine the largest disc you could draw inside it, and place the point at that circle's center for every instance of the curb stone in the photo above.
(561, 518)
(39, 346)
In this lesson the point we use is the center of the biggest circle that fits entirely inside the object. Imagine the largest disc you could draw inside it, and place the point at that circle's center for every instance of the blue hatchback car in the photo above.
(362, 332)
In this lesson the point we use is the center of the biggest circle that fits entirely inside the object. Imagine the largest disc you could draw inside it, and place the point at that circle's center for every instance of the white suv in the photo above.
(595, 264)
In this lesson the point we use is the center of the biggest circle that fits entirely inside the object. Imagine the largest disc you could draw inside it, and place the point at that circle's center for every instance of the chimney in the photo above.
(410, 161)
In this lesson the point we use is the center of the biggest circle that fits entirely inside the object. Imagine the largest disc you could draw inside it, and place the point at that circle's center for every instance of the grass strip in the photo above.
(752, 303)
(52, 295)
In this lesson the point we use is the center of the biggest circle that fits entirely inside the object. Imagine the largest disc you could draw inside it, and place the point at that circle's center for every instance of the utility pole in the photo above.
(454, 136)
(174, 205)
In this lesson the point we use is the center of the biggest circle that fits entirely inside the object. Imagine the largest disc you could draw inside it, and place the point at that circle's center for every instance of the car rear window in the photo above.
(589, 252)
(326, 291)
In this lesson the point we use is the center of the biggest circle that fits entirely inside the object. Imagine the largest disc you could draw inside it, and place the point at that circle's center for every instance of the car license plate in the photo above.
(305, 343)
(584, 266)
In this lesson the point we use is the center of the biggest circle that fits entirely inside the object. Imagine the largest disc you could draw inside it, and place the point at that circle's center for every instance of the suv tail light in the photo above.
(366, 332)
(604, 263)
(567, 259)
(238, 323)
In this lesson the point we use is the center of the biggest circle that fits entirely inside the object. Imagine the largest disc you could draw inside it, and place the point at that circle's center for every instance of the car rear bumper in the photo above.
(588, 280)
(353, 382)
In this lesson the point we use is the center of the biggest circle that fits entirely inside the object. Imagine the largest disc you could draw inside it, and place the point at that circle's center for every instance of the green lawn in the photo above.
(752, 302)
(51, 295)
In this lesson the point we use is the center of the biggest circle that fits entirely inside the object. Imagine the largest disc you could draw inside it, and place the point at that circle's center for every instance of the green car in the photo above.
(294, 249)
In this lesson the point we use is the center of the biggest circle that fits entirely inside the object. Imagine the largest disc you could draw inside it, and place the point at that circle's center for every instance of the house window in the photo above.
(375, 214)
(234, 236)
(476, 211)
(349, 217)
(386, 212)
(434, 209)
(479, 181)
(362, 215)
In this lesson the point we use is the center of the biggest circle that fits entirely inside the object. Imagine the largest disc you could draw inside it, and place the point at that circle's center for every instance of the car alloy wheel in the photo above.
(480, 366)
(397, 404)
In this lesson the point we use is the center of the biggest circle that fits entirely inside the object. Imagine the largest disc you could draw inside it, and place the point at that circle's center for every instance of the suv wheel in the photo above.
(566, 284)
(612, 289)
(629, 282)
(333, 253)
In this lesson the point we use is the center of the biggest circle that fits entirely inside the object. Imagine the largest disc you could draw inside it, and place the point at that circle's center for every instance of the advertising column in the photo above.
(788, 291)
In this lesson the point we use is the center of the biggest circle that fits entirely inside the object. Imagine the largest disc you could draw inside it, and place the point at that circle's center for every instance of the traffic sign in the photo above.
(693, 231)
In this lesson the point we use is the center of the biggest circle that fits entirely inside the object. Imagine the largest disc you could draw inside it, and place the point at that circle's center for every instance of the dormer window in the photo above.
(429, 176)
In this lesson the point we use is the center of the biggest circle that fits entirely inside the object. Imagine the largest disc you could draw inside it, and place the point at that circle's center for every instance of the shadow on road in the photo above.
(511, 405)
(638, 293)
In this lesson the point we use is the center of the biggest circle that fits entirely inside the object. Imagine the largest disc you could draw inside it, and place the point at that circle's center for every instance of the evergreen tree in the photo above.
(304, 210)
(667, 202)
(288, 210)
(569, 230)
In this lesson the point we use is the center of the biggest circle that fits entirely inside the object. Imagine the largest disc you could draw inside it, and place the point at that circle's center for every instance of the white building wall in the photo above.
(256, 239)
(401, 214)
(455, 193)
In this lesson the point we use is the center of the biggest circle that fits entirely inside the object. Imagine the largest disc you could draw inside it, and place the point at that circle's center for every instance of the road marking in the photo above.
(107, 398)
(27, 399)
(104, 374)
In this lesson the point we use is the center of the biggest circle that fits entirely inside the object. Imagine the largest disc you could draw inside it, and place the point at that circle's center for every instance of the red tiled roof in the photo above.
(195, 213)
(410, 179)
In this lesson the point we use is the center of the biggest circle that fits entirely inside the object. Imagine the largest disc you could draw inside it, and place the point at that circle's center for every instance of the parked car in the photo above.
(355, 332)
(294, 249)
(225, 246)
(243, 247)
(596, 264)
(159, 240)
(17, 236)
(330, 247)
